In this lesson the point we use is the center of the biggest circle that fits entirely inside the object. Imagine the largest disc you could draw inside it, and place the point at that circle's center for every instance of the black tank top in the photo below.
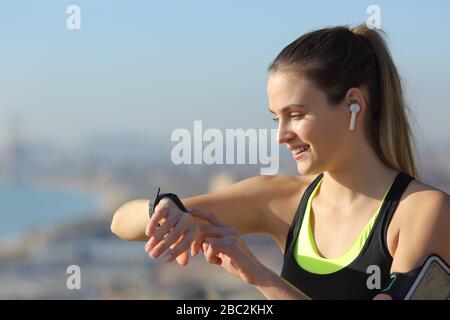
(351, 281)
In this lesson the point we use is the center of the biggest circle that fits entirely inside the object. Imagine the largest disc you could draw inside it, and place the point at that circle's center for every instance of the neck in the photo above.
(362, 176)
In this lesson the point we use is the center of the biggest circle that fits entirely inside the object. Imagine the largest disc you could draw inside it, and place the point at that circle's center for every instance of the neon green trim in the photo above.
(305, 250)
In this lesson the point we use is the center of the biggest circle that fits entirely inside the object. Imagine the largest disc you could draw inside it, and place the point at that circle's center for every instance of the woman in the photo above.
(357, 205)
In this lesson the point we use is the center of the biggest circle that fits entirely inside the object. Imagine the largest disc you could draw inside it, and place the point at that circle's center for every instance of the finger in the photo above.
(150, 250)
(197, 243)
(159, 214)
(182, 246)
(196, 247)
(211, 231)
(226, 245)
(205, 247)
(150, 244)
(193, 253)
(208, 216)
(152, 241)
(211, 255)
(183, 258)
(166, 226)
(172, 237)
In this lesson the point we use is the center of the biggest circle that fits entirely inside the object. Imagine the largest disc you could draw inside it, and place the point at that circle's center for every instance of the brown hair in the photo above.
(337, 59)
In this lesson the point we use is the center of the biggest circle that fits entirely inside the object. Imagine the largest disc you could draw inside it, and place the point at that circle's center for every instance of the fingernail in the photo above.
(147, 246)
(151, 243)
(154, 254)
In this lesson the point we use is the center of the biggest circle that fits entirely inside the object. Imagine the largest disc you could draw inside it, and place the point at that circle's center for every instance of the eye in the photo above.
(296, 115)
(275, 119)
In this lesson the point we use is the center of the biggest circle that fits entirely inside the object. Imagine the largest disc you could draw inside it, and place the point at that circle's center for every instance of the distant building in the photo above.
(14, 151)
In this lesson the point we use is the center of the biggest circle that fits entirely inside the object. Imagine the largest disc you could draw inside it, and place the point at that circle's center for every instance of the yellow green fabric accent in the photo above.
(306, 253)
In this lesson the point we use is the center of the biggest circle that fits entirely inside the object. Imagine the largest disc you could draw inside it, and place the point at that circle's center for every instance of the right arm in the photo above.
(261, 204)
(243, 205)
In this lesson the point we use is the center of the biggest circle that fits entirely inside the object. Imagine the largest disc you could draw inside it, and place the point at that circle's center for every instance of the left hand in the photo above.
(227, 249)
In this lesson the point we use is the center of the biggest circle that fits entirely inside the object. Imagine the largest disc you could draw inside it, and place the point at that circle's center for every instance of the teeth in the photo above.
(301, 149)
(304, 148)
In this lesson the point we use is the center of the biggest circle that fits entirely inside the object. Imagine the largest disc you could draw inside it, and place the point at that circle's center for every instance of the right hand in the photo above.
(177, 231)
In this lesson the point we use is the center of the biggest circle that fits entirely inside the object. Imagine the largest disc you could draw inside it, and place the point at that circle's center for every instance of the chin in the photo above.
(305, 170)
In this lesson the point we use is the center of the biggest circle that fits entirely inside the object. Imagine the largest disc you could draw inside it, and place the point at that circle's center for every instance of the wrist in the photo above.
(175, 199)
(265, 279)
(168, 198)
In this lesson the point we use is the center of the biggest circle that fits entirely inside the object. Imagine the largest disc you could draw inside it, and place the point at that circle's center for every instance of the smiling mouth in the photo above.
(300, 150)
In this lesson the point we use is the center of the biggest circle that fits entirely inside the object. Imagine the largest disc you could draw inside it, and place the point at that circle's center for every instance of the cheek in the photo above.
(323, 135)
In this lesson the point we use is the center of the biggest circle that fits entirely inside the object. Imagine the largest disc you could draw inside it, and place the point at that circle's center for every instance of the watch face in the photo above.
(152, 202)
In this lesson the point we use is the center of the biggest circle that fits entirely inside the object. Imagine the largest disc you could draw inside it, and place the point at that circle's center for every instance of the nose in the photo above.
(284, 133)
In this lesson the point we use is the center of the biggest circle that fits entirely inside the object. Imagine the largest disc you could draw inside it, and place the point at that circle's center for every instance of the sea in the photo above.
(27, 207)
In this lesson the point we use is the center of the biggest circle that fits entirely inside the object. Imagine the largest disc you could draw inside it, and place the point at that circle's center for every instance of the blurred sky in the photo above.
(144, 68)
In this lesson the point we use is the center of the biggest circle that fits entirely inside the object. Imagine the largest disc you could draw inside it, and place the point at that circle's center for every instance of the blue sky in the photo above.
(144, 68)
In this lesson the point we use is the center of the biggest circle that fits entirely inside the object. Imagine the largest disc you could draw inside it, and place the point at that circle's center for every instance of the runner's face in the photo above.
(315, 123)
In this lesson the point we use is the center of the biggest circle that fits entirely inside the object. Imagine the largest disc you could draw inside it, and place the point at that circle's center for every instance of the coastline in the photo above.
(33, 265)
(107, 197)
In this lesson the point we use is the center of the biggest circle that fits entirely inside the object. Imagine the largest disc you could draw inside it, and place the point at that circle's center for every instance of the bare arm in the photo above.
(243, 205)
(423, 232)
(276, 288)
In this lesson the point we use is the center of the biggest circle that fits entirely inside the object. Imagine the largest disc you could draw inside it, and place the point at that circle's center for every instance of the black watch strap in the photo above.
(157, 196)
(174, 198)
(152, 203)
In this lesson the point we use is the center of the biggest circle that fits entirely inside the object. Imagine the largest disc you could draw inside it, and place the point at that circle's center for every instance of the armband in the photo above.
(431, 280)
(400, 283)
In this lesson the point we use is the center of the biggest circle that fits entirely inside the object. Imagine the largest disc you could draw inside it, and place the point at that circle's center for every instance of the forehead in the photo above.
(284, 88)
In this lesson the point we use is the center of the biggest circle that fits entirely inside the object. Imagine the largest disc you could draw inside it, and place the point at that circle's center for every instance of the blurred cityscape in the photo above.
(33, 265)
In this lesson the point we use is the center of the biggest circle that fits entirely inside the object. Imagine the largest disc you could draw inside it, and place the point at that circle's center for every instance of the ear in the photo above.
(356, 95)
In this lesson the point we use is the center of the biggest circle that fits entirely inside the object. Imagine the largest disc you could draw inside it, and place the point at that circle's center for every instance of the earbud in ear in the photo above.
(354, 109)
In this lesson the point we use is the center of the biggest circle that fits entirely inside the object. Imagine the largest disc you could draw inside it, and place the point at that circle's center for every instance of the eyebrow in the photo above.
(290, 106)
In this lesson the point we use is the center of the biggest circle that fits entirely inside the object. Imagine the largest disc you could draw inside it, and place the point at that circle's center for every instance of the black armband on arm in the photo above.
(400, 283)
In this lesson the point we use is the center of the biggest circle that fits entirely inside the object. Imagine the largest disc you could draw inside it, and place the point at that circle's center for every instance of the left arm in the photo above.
(423, 232)
(274, 287)
(227, 249)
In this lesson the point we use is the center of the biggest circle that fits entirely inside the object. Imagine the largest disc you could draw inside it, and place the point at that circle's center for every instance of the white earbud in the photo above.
(354, 109)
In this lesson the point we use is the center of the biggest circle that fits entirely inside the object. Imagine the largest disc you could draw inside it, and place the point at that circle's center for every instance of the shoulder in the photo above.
(281, 186)
(280, 197)
(278, 192)
(424, 222)
(423, 202)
